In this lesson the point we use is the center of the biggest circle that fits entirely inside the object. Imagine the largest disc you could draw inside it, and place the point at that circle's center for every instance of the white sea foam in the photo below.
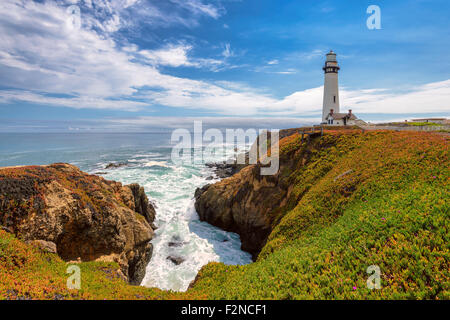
(179, 233)
(156, 164)
(148, 155)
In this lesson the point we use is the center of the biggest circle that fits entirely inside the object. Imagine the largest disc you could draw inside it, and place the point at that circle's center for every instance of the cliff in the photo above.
(339, 204)
(80, 217)
(247, 202)
(242, 204)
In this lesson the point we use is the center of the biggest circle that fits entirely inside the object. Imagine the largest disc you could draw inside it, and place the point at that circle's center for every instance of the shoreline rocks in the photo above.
(84, 215)
(241, 204)
(46, 246)
(114, 165)
(175, 260)
(225, 169)
(142, 205)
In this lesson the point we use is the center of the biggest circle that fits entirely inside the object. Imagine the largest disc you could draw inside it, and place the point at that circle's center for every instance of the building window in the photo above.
(334, 98)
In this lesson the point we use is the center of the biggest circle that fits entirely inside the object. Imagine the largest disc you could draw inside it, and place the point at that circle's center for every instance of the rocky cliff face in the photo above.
(244, 202)
(250, 204)
(141, 204)
(85, 216)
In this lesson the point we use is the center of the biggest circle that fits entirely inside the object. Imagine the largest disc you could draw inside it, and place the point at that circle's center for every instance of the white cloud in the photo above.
(71, 102)
(39, 53)
(47, 62)
(198, 7)
(288, 71)
(187, 13)
(428, 98)
(177, 55)
(172, 55)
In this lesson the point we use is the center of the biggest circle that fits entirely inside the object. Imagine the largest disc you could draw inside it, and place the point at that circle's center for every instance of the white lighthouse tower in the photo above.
(331, 89)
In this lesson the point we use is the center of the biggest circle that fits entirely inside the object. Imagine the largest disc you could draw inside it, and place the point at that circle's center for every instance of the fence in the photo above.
(407, 128)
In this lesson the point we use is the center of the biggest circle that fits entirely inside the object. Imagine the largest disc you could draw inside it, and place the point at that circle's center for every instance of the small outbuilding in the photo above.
(341, 119)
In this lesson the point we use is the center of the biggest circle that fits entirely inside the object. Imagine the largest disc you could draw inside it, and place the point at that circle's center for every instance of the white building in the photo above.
(341, 119)
(330, 113)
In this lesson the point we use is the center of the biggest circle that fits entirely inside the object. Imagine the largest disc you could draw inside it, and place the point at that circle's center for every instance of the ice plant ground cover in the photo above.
(390, 209)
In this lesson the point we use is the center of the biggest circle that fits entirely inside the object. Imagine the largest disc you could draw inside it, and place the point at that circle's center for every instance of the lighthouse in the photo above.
(331, 87)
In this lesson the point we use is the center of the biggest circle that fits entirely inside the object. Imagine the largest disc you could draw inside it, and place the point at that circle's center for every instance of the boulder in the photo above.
(46, 246)
(84, 215)
(116, 165)
(173, 244)
(176, 260)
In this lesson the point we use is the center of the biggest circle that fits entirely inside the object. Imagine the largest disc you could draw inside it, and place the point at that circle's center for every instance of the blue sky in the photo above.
(146, 63)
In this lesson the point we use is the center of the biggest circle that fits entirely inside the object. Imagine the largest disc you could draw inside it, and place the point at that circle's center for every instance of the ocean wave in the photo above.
(157, 164)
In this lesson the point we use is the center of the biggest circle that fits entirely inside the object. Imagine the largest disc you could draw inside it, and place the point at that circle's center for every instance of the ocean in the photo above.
(168, 185)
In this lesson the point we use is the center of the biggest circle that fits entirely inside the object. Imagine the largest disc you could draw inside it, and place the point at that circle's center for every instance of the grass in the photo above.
(28, 273)
(390, 209)
(423, 124)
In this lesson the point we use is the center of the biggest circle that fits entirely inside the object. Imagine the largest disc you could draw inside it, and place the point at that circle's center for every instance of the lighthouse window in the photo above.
(334, 98)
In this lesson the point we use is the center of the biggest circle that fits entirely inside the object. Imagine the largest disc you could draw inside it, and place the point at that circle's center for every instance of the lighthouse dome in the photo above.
(331, 56)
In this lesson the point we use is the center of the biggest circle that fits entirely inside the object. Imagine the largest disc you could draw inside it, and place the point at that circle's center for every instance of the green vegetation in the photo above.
(358, 199)
(423, 124)
(28, 273)
(390, 210)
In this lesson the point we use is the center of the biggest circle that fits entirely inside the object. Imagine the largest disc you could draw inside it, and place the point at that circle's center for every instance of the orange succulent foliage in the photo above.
(358, 199)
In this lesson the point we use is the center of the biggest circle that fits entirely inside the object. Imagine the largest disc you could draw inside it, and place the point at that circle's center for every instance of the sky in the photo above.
(118, 65)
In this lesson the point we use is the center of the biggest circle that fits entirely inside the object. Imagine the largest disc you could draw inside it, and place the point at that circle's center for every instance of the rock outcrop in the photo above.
(243, 202)
(175, 260)
(116, 165)
(142, 204)
(85, 216)
(224, 170)
(46, 246)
